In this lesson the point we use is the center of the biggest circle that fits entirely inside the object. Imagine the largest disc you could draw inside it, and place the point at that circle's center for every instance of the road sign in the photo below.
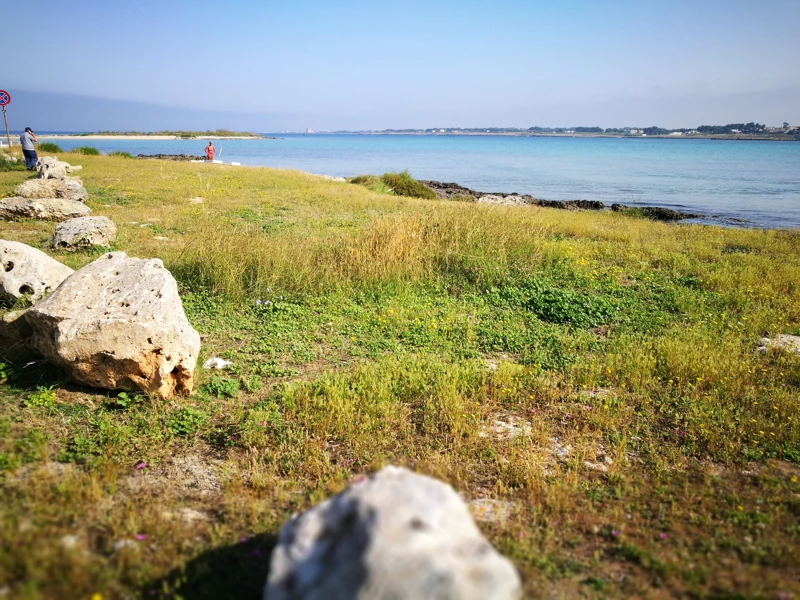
(5, 98)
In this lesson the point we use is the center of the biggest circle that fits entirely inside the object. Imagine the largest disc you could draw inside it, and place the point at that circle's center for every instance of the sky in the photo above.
(270, 66)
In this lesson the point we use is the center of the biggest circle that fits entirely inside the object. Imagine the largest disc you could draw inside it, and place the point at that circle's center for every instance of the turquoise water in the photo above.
(726, 180)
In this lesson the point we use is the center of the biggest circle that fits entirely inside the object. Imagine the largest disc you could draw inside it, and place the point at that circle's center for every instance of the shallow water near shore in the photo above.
(738, 183)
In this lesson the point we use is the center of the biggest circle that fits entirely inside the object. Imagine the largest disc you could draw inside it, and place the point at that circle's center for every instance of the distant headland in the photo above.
(162, 135)
(732, 131)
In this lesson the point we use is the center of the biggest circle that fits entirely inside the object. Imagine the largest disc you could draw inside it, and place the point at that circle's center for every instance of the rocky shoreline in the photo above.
(180, 157)
(454, 191)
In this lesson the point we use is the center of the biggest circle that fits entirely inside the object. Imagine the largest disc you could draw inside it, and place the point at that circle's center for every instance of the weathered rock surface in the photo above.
(656, 213)
(182, 157)
(44, 209)
(450, 190)
(14, 328)
(396, 535)
(118, 323)
(84, 232)
(782, 341)
(454, 191)
(70, 188)
(28, 271)
(49, 167)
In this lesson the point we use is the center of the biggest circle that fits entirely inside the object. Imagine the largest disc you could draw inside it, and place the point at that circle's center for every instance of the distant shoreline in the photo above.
(738, 137)
(72, 136)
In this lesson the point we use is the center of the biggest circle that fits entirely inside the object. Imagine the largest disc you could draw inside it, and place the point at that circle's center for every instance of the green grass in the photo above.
(11, 163)
(121, 154)
(400, 184)
(86, 150)
(49, 147)
(367, 328)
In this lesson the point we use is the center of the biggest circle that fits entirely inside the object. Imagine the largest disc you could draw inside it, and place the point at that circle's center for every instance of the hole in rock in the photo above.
(9, 266)
(25, 289)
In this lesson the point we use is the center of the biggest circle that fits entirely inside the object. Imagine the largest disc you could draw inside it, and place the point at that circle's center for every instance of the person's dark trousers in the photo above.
(30, 158)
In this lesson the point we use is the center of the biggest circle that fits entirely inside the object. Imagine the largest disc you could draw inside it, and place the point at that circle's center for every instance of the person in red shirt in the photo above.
(210, 151)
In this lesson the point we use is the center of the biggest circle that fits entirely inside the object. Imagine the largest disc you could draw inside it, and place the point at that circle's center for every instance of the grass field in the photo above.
(595, 375)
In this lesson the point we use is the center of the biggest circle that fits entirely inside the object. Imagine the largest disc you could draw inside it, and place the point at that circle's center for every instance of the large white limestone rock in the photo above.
(70, 188)
(28, 271)
(118, 323)
(84, 232)
(49, 167)
(396, 535)
(43, 209)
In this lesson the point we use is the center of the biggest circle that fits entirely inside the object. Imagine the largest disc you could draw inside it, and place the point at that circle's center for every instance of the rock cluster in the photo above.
(54, 196)
(395, 535)
(180, 157)
(117, 323)
(454, 191)
(656, 213)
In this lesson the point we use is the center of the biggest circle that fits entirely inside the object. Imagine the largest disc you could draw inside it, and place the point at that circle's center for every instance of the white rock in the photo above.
(27, 270)
(195, 200)
(69, 188)
(68, 542)
(118, 323)
(161, 238)
(43, 209)
(397, 535)
(217, 363)
(84, 232)
(122, 544)
(782, 341)
(49, 167)
(506, 428)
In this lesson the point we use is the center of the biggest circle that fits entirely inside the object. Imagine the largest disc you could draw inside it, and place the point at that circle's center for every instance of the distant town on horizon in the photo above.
(751, 128)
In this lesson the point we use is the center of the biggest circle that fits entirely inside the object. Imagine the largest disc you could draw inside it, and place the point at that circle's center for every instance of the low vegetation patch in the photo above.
(599, 375)
(121, 154)
(399, 184)
(86, 150)
(50, 147)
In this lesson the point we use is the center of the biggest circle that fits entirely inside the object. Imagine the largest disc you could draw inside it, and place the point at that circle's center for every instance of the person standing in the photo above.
(210, 152)
(28, 139)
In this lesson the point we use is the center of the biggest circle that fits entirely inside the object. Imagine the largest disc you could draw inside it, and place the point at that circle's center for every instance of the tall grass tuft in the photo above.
(86, 150)
(50, 147)
(400, 184)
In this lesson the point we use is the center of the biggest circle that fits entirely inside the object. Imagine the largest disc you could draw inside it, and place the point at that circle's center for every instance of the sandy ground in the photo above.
(59, 136)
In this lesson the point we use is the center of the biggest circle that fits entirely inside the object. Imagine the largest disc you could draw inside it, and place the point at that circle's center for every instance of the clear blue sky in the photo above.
(380, 64)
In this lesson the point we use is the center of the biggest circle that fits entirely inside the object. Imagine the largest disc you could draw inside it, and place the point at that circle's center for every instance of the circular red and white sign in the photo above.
(5, 98)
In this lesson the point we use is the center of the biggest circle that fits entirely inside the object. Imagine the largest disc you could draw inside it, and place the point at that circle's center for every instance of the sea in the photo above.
(737, 183)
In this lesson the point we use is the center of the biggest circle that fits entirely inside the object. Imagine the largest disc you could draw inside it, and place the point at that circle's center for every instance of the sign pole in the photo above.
(8, 137)
(5, 98)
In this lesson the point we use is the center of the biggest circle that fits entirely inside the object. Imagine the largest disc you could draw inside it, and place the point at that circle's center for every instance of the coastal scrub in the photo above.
(591, 383)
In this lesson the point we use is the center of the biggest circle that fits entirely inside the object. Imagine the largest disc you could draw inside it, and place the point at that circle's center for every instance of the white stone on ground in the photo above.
(49, 167)
(28, 271)
(69, 188)
(782, 341)
(118, 323)
(396, 535)
(217, 363)
(84, 232)
(42, 209)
